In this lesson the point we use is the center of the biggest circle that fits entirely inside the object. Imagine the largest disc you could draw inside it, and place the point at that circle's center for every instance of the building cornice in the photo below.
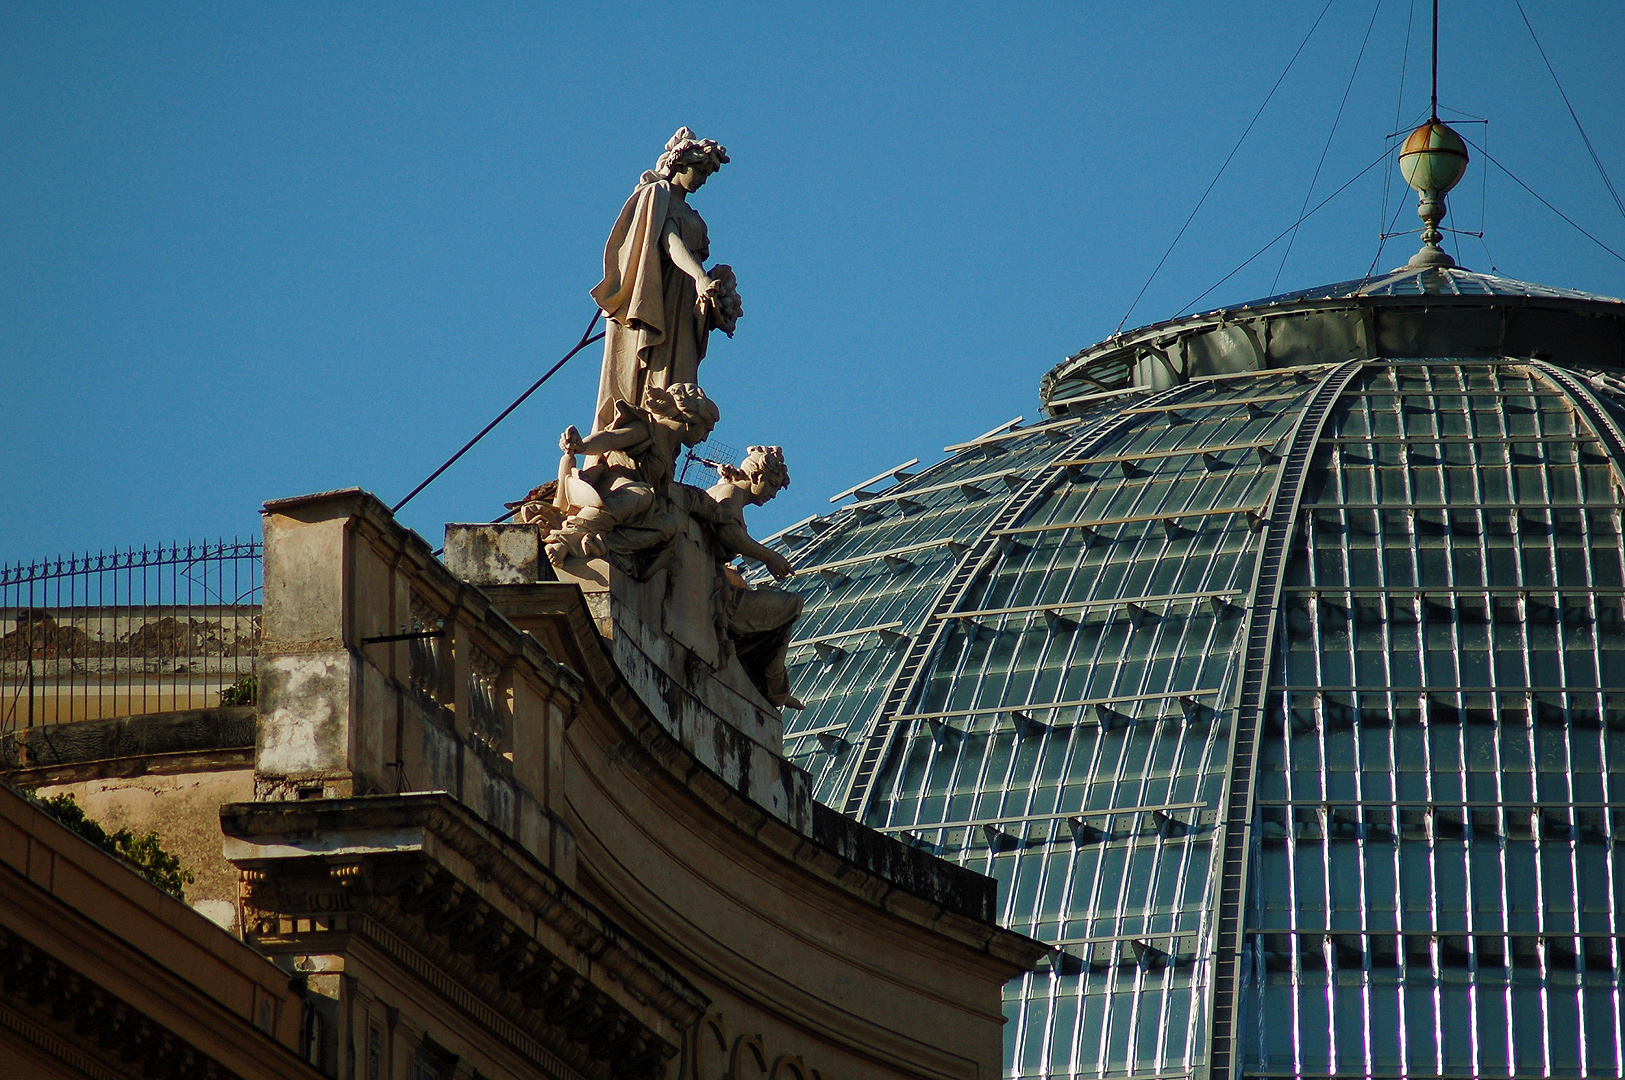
(514, 936)
(843, 854)
(136, 971)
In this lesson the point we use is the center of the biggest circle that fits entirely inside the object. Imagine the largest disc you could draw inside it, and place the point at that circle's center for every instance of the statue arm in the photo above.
(684, 259)
(736, 539)
(601, 442)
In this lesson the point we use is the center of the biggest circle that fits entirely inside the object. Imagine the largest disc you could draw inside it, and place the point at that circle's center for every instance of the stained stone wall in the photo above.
(447, 771)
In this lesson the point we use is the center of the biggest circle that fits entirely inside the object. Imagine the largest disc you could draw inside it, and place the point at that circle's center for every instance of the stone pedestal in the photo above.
(661, 631)
(503, 554)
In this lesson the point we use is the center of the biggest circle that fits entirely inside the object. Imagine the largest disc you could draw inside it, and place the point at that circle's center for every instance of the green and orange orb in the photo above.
(1433, 157)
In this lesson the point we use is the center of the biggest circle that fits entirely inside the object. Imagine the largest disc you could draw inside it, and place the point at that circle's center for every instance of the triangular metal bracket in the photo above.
(828, 651)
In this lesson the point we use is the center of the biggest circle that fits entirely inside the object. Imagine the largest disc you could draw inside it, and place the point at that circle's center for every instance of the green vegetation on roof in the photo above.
(144, 854)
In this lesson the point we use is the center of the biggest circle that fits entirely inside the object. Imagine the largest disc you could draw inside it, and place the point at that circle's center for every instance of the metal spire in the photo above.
(1432, 160)
(1433, 107)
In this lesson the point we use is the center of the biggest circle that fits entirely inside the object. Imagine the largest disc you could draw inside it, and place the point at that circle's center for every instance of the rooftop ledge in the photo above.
(1406, 314)
(549, 639)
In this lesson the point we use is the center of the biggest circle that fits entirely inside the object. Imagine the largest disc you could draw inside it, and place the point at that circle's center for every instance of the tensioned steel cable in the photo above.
(1385, 236)
(587, 338)
(1307, 195)
(1399, 107)
(1383, 230)
(1267, 98)
(1277, 238)
(1578, 227)
(1595, 160)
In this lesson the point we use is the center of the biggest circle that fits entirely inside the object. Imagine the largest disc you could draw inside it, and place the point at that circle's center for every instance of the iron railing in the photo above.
(162, 629)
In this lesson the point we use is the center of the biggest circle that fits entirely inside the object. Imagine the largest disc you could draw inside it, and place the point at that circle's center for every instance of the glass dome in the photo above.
(1277, 673)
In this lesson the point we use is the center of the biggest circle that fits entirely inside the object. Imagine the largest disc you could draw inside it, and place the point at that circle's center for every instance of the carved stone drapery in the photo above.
(660, 304)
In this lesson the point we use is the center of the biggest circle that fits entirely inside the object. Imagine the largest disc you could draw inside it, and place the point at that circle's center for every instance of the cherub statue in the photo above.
(617, 504)
(758, 621)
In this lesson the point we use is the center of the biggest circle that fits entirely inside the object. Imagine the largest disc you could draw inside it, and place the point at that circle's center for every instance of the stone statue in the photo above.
(757, 621)
(667, 544)
(660, 302)
(618, 502)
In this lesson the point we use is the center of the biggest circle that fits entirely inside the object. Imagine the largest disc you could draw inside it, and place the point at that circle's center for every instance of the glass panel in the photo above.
(1109, 623)
(1440, 718)
(1435, 883)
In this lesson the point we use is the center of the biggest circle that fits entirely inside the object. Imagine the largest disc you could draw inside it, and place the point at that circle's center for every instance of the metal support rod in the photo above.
(1433, 110)
(1234, 848)
(412, 636)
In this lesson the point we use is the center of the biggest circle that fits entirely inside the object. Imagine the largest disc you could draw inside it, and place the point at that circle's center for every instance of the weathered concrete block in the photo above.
(304, 716)
(304, 578)
(504, 554)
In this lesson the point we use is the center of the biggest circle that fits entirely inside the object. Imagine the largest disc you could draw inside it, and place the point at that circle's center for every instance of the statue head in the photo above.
(687, 404)
(763, 472)
(686, 151)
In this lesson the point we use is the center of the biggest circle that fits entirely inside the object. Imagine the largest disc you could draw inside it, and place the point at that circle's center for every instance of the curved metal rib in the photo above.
(1597, 413)
(1225, 991)
(935, 627)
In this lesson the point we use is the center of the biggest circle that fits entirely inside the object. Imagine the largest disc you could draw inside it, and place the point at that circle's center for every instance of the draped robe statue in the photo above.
(660, 303)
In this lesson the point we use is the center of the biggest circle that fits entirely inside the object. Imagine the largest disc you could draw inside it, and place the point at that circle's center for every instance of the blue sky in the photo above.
(250, 251)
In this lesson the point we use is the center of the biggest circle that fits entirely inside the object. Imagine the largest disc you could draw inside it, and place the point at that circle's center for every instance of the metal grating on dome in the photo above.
(1424, 857)
(1430, 281)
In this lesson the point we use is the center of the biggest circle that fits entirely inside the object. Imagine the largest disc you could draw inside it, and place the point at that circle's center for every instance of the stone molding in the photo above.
(370, 873)
(67, 903)
(451, 974)
(848, 855)
(323, 873)
(47, 1042)
(38, 983)
(191, 740)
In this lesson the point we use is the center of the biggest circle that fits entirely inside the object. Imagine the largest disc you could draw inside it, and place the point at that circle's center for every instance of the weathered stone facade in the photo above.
(105, 977)
(520, 828)
(523, 799)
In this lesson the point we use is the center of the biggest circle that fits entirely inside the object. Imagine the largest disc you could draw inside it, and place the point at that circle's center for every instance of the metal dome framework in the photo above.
(1286, 699)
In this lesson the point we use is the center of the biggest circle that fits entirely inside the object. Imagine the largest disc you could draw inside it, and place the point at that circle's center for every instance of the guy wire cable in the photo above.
(1330, 135)
(1578, 227)
(1138, 296)
(1399, 109)
(1277, 238)
(1595, 160)
(503, 415)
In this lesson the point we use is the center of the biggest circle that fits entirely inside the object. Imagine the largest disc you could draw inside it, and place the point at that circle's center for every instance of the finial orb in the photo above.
(1433, 158)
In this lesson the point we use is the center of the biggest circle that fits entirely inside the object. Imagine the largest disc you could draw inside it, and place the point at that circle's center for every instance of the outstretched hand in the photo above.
(571, 442)
(659, 401)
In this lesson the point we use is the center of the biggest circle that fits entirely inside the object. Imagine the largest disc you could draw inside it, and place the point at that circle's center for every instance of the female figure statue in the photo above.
(660, 301)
